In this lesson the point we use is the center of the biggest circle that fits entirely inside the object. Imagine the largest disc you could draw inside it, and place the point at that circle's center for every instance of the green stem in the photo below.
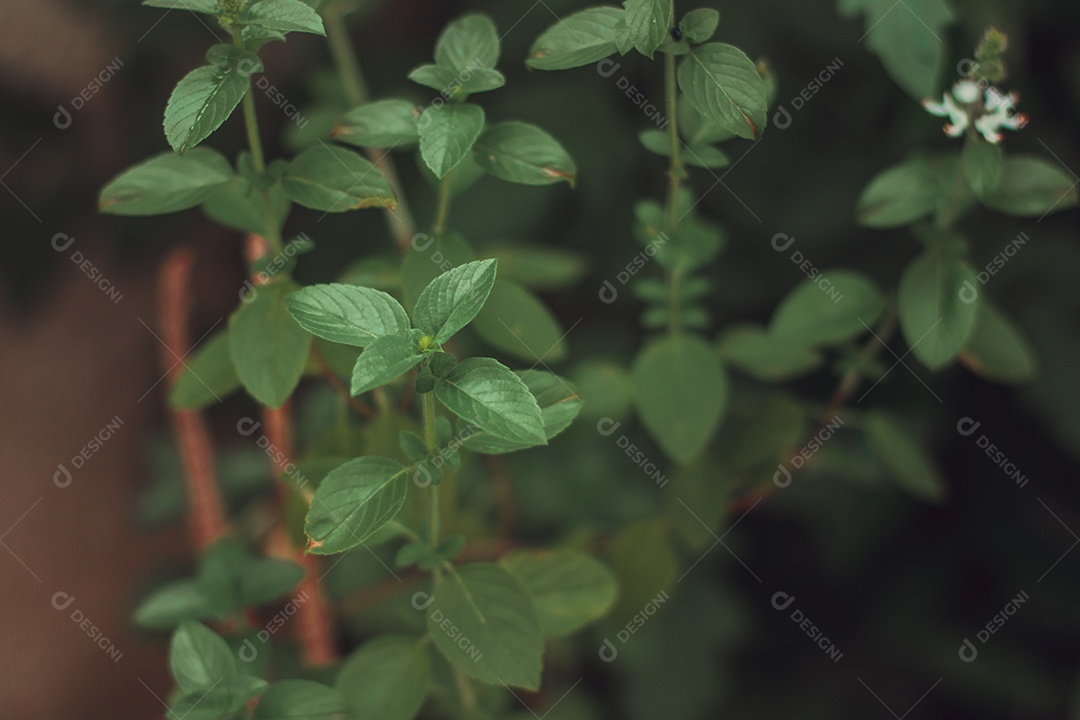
(674, 306)
(433, 495)
(677, 171)
(444, 205)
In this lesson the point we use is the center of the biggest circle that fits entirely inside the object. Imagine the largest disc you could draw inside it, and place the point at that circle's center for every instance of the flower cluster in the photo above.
(968, 105)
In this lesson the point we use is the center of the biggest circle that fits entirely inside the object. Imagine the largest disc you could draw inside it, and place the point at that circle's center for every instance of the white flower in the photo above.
(963, 108)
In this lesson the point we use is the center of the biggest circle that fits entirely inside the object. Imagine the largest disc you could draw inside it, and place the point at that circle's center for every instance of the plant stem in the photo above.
(400, 220)
(251, 122)
(465, 691)
(674, 306)
(444, 205)
(433, 495)
(676, 171)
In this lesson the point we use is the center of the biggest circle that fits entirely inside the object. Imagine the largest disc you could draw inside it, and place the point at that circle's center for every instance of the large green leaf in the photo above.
(447, 134)
(354, 501)
(208, 375)
(644, 26)
(578, 39)
(334, 179)
(489, 395)
(484, 622)
(387, 678)
(201, 102)
(681, 394)
(347, 314)
(833, 307)
(934, 316)
(285, 16)
(903, 459)
(899, 196)
(996, 349)
(724, 86)
(453, 299)
(384, 360)
(521, 153)
(384, 123)
(516, 322)
(269, 350)
(1031, 187)
(569, 588)
(166, 183)
(559, 402)
(468, 42)
(301, 700)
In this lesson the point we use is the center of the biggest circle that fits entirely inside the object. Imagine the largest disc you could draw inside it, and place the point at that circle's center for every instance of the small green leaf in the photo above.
(347, 314)
(436, 77)
(384, 360)
(569, 588)
(200, 659)
(263, 580)
(697, 26)
(201, 102)
(765, 356)
(681, 394)
(208, 375)
(982, 163)
(724, 85)
(354, 501)
(703, 156)
(209, 7)
(470, 42)
(645, 25)
(904, 459)
(172, 604)
(453, 299)
(997, 350)
(831, 308)
(899, 196)
(489, 395)
(387, 678)
(447, 133)
(539, 268)
(1032, 187)
(578, 39)
(301, 700)
(334, 179)
(559, 402)
(608, 387)
(269, 350)
(935, 317)
(484, 623)
(166, 183)
(514, 321)
(284, 16)
(382, 124)
(521, 153)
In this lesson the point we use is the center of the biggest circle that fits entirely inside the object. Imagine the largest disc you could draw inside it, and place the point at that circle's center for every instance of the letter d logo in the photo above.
(781, 118)
(782, 600)
(608, 652)
(967, 426)
(62, 477)
(968, 651)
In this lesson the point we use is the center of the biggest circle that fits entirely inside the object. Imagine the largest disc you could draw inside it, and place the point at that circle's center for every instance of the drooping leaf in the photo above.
(347, 314)
(997, 350)
(937, 315)
(516, 322)
(202, 101)
(166, 183)
(578, 39)
(521, 153)
(203, 6)
(447, 134)
(384, 360)
(386, 678)
(904, 459)
(723, 84)
(569, 588)
(484, 623)
(354, 501)
(559, 402)
(269, 349)
(899, 196)
(383, 123)
(453, 299)
(489, 395)
(208, 375)
(1032, 187)
(301, 700)
(334, 179)
(833, 307)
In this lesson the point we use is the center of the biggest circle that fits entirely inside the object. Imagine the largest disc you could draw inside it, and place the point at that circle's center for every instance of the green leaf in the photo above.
(765, 356)
(681, 394)
(559, 402)
(487, 394)
(269, 350)
(908, 39)
(354, 501)
(899, 196)
(232, 578)
(200, 659)
(1032, 187)
(172, 604)
(201, 102)
(831, 308)
(436, 77)
(521, 153)
(166, 183)
(538, 267)
(902, 458)
(645, 25)
(301, 700)
(982, 163)
(697, 26)
(484, 623)
(427, 258)
(453, 299)
(263, 580)
(447, 133)
(208, 376)
(608, 387)
(384, 360)
(997, 350)
(203, 6)
(387, 678)
(935, 319)
(334, 179)
(284, 16)
(347, 314)
(703, 156)
(240, 206)
(724, 86)
(569, 588)
(576, 40)
(470, 42)
(514, 321)
(382, 124)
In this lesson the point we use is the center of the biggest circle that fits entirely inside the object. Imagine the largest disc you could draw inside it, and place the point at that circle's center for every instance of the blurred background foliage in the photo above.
(896, 584)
